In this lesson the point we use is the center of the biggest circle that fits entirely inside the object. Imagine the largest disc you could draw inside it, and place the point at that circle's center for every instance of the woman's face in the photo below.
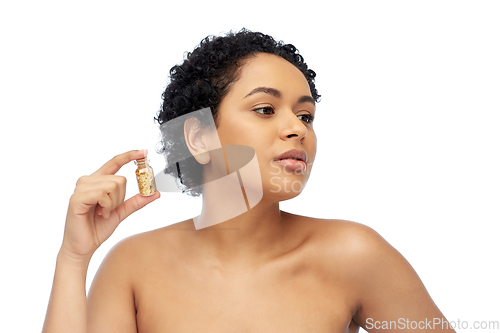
(270, 108)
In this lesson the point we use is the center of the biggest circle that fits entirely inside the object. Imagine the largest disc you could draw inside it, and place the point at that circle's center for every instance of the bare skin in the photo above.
(263, 271)
(335, 275)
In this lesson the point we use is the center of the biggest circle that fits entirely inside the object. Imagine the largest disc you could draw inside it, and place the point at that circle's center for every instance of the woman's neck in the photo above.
(234, 236)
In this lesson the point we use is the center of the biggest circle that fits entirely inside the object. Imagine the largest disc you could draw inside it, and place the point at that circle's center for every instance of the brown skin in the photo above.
(265, 270)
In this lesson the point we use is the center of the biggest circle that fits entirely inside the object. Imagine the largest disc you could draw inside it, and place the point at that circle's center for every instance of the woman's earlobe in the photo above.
(203, 158)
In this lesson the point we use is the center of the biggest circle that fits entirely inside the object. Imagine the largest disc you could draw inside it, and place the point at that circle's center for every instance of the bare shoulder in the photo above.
(379, 278)
(353, 237)
(112, 299)
(147, 246)
(123, 260)
(351, 247)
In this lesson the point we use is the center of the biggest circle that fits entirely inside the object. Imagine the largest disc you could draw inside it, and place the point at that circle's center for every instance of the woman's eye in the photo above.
(308, 118)
(265, 110)
(269, 110)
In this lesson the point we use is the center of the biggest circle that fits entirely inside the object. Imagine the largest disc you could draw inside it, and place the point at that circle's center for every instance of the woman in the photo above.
(263, 270)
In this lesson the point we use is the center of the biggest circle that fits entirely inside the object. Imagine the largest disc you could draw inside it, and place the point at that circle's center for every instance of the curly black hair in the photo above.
(202, 80)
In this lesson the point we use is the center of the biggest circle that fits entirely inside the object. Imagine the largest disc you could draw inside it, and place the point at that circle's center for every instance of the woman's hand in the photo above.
(97, 207)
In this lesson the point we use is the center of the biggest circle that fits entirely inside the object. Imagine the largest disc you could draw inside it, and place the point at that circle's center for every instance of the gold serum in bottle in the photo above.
(145, 177)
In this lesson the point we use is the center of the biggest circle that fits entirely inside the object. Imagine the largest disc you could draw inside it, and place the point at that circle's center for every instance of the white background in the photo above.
(408, 127)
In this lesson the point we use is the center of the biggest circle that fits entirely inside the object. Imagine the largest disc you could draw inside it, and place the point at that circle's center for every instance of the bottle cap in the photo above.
(143, 160)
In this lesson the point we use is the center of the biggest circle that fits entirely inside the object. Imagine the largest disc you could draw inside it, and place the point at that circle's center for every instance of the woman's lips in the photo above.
(292, 164)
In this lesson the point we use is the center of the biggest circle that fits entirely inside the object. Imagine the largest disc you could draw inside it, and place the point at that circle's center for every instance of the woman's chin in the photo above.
(283, 191)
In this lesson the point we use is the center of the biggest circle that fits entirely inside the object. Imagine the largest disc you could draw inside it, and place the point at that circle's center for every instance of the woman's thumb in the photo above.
(135, 203)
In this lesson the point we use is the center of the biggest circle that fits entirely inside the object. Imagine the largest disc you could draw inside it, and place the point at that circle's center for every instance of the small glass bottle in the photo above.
(145, 177)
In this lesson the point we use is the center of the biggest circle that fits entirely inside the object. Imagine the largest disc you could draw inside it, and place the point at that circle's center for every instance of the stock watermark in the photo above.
(430, 324)
(281, 183)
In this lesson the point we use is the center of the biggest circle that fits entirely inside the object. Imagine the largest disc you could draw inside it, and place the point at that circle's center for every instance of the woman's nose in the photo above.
(291, 127)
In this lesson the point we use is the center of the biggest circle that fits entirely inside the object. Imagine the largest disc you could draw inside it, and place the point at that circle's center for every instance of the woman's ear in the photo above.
(196, 140)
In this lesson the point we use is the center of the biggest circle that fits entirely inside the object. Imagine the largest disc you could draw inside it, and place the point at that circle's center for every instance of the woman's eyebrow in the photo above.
(307, 99)
(276, 93)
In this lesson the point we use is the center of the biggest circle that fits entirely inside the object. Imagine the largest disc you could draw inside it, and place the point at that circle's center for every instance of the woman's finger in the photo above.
(115, 187)
(105, 202)
(112, 166)
(110, 183)
(82, 202)
(85, 180)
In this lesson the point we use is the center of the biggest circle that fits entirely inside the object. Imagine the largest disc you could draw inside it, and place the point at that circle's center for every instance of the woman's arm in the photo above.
(67, 309)
(96, 208)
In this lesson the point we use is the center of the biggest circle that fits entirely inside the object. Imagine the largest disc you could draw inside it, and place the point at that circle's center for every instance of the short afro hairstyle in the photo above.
(202, 80)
